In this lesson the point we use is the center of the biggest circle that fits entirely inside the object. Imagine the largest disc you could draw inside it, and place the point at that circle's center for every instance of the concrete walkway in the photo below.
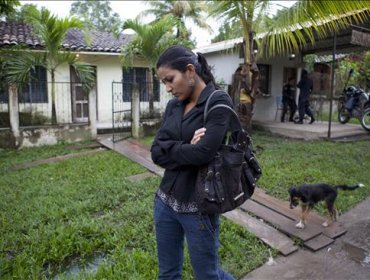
(317, 130)
(347, 258)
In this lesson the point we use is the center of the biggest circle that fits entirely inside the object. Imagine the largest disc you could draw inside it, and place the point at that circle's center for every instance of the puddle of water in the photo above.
(74, 269)
(357, 254)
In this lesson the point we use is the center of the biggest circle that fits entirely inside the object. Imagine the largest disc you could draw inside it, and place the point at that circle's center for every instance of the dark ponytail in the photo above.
(205, 71)
(178, 57)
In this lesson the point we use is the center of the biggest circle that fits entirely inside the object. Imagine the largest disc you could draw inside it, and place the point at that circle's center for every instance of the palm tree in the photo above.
(181, 10)
(308, 17)
(149, 42)
(52, 31)
(7, 7)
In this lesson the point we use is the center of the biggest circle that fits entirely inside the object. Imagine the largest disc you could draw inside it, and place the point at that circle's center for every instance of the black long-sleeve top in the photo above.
(306, 86)
(172, 150)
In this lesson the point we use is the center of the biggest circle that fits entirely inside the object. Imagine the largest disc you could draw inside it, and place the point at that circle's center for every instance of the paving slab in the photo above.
(263, 231)
(280, 222)
(318, 242)
(135, 152)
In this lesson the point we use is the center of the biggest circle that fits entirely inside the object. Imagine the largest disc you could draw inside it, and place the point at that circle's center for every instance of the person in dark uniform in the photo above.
(289, 99)
(305, 85)
(183, 144)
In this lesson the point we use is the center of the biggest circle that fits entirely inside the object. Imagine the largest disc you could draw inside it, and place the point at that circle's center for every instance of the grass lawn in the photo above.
(83, 212)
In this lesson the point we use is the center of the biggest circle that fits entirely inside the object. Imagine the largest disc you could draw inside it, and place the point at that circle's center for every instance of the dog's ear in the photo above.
(292, 190)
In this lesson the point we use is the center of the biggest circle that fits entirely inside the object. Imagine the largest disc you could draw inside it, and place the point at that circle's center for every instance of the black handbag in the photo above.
(230, 178)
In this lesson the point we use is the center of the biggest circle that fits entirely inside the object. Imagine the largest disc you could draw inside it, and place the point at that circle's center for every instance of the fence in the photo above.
(152, 102)
(35, 104)
(153, 99)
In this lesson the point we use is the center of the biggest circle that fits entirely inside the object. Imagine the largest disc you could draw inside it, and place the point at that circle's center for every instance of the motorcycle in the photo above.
(365, 120)
(354, 103)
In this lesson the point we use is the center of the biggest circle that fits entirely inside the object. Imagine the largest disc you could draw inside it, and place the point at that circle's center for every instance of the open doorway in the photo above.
(289, 72)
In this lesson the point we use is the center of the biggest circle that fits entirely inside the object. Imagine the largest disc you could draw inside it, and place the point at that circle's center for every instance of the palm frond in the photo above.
(308, 21)
(86, 74)
(17, 64)
(305, 22)
(146, 41)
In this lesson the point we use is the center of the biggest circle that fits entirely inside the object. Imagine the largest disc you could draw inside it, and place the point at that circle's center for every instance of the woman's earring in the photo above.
(191, 83)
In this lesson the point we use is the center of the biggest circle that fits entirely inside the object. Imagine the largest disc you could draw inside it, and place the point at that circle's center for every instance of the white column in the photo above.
(14, 113)
(92, 112)
(135, 111)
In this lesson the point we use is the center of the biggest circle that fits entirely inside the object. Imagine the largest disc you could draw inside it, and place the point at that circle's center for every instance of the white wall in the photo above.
(223, 65)
(108, 69)
(63, 96)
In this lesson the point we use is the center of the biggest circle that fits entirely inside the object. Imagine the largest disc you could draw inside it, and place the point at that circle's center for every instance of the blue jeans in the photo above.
(201, 232)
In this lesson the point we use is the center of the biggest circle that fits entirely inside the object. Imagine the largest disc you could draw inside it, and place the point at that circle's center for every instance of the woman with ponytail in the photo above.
(183, 144)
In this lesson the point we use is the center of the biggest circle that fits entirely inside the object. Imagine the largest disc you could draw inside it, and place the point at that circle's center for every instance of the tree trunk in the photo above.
(53, 109)
(250, 72)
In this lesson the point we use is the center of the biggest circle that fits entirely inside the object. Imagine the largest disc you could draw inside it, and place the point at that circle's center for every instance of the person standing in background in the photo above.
(289, 99)
(305, 85)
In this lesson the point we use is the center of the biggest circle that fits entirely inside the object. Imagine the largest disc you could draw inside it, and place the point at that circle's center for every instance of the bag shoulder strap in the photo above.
(234, 114)
(245, 143)
(243, 140)
(208, 101)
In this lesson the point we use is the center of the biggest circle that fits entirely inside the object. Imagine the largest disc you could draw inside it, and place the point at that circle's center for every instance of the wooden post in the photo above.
(135, 111)
(92, 112)
(332, 83)
(14, 113)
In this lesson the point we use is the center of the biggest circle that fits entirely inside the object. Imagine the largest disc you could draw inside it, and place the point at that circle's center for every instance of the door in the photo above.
(80, 99)
(80, 103)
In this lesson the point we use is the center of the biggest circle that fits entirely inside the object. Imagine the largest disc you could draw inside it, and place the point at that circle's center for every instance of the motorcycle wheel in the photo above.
(365, 120)
(343, 115)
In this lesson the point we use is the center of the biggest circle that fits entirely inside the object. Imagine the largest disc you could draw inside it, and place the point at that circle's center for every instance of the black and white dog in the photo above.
(309, 195)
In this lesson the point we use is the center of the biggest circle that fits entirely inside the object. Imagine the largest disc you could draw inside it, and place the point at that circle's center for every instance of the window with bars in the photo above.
(141, 77)
(264, 78)
(35, 91)
(4, 97)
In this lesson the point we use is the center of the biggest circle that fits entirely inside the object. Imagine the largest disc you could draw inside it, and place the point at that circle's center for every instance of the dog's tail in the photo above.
(348, 188)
